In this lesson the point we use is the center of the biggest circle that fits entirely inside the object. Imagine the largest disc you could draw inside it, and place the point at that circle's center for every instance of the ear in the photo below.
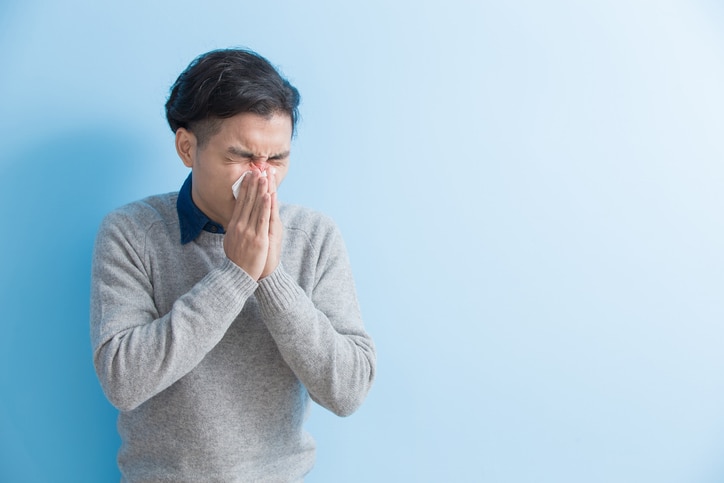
(186, 146)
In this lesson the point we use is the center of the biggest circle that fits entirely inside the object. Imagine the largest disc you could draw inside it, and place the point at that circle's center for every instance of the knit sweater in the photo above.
(212, 371)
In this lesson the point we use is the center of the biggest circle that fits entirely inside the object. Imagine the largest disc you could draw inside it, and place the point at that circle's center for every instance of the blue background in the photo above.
(531, 194)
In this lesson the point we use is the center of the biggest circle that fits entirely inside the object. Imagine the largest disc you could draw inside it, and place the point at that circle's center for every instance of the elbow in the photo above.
(341, 406)
(116, 388)
(121, 401)
(347, 399)
(118, 395)
(346, 409)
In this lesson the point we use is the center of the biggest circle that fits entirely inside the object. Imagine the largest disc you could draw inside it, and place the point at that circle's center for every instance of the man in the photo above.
(216, 313)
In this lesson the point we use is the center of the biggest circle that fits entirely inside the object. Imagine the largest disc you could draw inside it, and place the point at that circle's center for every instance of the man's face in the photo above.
(244, 142)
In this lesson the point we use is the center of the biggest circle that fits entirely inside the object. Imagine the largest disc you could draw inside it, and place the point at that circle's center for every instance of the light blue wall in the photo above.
(531, 194)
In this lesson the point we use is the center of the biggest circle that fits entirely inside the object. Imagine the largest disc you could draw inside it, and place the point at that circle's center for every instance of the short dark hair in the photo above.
(226, 82)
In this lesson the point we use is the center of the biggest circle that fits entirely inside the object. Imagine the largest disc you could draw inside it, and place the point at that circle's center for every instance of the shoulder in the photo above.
(300, 218)
(308, 229)
(140, 217)
(312, 242)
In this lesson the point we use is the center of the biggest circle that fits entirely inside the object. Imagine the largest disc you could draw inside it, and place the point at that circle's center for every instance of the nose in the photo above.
(260, 163)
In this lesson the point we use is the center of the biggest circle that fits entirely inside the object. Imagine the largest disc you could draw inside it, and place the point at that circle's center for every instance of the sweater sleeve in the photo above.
(322, 337)
(138, 352)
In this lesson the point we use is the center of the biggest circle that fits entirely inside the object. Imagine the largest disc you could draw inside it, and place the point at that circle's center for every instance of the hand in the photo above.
(275, 229)
(247, 240)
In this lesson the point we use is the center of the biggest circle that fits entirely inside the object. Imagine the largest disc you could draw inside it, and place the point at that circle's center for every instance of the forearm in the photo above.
(329, 352)
(138, 353)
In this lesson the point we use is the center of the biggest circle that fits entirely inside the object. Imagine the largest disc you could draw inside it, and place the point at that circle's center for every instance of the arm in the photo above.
(137, 351)
(321, 336)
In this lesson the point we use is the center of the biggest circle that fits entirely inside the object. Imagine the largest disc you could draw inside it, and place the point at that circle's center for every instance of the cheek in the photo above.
(232, 172)
(281, 174)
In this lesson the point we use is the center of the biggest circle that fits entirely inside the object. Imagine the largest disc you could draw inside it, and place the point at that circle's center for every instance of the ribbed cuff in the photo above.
(277, 292)
(231, 284)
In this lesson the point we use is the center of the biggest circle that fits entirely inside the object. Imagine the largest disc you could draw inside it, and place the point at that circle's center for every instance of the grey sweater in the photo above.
(211, 371)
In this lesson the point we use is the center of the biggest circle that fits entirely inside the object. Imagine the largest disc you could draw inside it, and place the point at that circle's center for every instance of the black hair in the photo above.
(226, 82)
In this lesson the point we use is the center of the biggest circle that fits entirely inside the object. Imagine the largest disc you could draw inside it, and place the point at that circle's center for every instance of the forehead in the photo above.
(258, 134)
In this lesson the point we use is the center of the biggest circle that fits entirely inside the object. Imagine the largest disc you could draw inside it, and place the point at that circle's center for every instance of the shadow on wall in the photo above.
(55, 423)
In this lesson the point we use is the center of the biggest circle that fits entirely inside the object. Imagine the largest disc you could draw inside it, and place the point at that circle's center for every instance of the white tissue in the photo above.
(237, 184)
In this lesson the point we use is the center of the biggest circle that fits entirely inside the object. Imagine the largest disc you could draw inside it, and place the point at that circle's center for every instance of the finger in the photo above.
(272, 174)
(236, 187)
(259, 212)
(250, 196)
(274, 214)
(264, 213)
(240, 195)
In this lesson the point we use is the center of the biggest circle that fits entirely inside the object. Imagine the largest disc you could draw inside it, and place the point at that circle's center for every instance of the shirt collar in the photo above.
(191, 219)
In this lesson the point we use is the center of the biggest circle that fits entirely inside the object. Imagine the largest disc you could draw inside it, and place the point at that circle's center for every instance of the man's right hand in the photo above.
(246, 242)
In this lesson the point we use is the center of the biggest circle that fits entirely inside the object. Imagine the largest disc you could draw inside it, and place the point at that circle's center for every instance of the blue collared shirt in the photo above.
(191, 219)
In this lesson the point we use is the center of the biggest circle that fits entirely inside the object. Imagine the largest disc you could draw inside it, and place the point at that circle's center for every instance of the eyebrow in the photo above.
(243, 153)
